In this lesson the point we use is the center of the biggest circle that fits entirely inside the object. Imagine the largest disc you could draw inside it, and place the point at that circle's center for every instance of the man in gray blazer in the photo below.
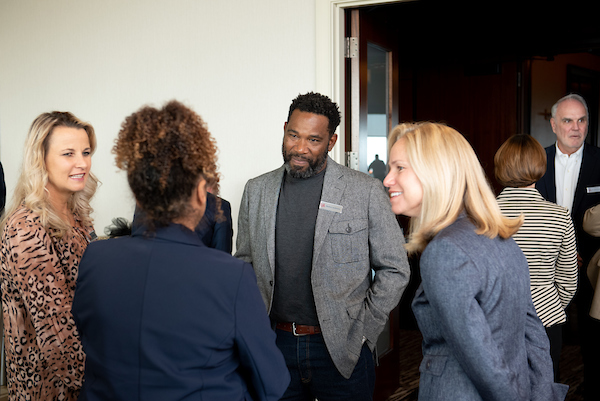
(328, 255)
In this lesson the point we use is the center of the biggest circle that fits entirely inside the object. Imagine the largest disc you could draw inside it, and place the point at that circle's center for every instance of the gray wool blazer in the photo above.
(348, 246)
(482, 339)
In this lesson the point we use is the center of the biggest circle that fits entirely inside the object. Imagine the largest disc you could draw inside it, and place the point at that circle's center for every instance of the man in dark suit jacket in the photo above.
(577, 192)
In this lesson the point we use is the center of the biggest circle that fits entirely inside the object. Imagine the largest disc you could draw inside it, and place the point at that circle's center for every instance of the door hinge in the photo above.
(351, 48)
(352, 160)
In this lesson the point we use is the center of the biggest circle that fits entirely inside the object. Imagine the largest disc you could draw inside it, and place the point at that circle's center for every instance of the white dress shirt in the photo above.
(566, 176)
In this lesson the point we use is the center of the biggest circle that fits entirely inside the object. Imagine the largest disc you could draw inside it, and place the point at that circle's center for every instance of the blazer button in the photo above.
(271, 283)
(348, 229)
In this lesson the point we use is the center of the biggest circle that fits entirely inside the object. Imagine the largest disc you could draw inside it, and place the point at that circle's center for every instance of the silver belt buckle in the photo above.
(294, 331)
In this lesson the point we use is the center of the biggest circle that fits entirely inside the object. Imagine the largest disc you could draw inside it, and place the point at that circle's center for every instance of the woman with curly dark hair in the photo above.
(161, 316)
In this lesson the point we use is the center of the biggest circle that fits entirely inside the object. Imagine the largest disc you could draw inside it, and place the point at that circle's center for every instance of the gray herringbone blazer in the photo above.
(365, 236)
(482, 339)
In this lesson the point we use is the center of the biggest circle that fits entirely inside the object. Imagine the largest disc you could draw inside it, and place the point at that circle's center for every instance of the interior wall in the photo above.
(548, 84)
(238, 64)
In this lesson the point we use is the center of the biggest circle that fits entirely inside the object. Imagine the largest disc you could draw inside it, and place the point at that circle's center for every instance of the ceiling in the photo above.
(467, 30)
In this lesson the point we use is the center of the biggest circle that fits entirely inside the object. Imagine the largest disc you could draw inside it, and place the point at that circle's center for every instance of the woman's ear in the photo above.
(200, 194)
(197, 202)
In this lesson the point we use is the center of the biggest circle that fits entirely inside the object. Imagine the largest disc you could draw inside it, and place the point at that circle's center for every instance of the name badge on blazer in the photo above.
(332, 207)
(593, 190)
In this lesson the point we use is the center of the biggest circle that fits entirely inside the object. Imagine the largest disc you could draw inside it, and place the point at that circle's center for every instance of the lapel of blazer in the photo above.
(333, 190)
(586, 173)
(271, 190)
(549, 181)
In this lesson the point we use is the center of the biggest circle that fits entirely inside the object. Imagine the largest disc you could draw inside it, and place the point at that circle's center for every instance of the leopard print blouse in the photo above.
(44, 357)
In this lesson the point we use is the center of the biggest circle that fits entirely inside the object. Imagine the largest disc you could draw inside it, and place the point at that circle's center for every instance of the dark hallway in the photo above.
(483, 68)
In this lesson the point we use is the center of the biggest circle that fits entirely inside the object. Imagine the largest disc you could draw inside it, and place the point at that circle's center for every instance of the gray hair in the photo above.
(570, 96)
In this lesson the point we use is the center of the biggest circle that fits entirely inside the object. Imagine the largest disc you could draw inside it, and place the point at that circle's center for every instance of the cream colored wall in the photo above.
(549, 83)
(238, 64)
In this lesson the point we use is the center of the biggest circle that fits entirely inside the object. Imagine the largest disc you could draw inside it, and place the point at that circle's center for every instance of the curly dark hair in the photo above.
(165, 153)
(316, 103)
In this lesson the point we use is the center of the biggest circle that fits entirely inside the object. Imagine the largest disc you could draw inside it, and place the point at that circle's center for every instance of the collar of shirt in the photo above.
(566, 174)
(564, 158)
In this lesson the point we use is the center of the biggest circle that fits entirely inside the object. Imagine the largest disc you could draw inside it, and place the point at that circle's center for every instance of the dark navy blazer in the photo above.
(164, 317)
(218, 235)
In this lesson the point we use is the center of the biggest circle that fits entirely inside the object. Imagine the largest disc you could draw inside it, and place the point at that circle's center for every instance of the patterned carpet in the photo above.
(410, 358)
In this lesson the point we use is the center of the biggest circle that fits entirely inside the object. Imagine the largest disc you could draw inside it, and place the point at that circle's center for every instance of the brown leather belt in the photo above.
(298, 329)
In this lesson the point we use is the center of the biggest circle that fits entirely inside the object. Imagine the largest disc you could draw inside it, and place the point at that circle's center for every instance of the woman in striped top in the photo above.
(547, 237)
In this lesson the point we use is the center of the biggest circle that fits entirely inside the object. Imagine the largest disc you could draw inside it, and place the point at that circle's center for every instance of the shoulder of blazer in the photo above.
(270, 178)
(334, 168)
(590, 170)
(225, 207)
(461, 227)
(340, 178)
(337, 170)
(591, 152)
(590, 166)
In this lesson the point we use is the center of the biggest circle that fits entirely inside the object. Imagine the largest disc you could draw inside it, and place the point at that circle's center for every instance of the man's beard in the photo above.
(313, 167)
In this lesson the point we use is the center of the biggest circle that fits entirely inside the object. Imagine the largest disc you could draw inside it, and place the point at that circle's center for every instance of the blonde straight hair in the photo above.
(453, 182)
(30, 190)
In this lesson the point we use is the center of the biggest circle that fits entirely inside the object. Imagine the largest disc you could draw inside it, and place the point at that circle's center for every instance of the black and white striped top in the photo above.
(547, 239)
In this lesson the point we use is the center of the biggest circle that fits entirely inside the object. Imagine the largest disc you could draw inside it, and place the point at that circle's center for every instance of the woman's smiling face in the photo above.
(405, 189)
(68, 161)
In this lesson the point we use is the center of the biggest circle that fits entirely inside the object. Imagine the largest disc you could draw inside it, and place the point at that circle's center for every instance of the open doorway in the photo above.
(490, 73)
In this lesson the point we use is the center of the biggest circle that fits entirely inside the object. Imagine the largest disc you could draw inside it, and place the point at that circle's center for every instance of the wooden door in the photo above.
(429, 78)
(481, 102)
(371, 113)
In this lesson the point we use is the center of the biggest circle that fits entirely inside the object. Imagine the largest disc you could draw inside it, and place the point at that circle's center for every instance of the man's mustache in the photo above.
(297, 156)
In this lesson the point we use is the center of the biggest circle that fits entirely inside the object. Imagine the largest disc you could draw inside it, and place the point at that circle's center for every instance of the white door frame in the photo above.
(330, 74)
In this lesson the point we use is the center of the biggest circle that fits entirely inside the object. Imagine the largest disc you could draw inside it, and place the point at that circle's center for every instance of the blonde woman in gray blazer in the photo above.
(482, 339)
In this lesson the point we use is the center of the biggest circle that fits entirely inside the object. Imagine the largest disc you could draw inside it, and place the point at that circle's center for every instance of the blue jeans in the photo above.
(315, 376)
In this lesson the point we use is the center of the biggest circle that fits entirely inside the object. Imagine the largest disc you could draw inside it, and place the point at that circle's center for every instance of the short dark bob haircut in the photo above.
(520, 161)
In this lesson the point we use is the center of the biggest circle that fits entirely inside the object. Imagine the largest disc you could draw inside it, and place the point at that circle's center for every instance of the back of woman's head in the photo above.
(31, 186)
(453, 181)
(165, 153)
(520, 161)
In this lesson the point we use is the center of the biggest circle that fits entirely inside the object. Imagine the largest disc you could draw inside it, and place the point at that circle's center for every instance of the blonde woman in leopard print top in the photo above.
(44, 234)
